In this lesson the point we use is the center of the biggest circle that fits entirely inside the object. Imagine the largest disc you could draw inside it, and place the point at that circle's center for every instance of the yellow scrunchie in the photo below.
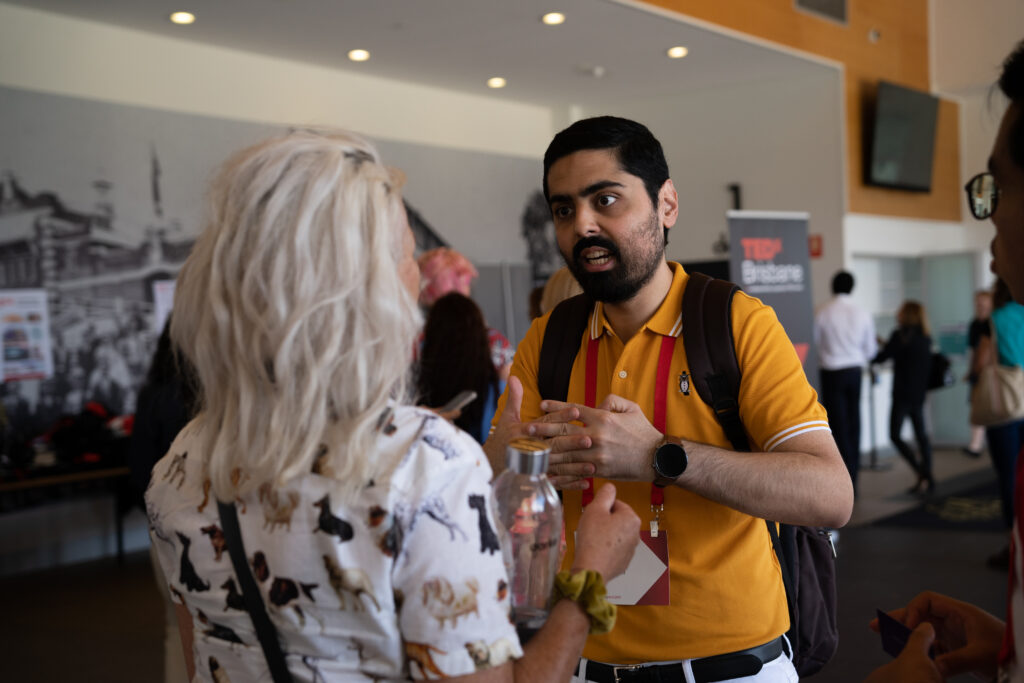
(586, 588)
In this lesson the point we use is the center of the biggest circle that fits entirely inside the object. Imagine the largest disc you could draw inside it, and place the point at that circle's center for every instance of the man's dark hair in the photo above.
(1011, 82)
(638, 151)
(842, 283)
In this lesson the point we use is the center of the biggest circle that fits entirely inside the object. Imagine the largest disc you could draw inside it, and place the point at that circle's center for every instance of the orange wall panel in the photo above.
(899, 55)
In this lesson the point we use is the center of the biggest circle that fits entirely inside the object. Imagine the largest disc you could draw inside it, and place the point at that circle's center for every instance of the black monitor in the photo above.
(902, 139)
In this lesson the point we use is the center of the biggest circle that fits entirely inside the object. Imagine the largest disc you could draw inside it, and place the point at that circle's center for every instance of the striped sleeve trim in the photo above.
(796, 430)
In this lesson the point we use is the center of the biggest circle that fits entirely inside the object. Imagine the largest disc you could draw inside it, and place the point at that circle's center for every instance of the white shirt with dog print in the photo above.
(407, 582)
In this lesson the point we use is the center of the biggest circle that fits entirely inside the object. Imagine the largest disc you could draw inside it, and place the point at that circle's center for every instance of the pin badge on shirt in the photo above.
(684, 383)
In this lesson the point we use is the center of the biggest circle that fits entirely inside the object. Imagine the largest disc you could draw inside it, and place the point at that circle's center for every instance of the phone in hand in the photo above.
(458, 402)
(894, 635)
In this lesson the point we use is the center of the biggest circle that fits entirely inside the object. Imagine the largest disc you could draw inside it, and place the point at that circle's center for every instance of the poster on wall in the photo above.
(769, 260)
(25, 331)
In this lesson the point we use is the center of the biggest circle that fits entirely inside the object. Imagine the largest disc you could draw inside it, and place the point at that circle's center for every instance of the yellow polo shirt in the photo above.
(726, 590)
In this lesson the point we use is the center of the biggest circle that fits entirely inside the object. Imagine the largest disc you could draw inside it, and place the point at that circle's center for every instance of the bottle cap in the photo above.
(527, 456)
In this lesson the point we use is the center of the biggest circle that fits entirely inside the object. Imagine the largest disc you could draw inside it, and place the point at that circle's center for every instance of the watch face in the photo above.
(670, 460)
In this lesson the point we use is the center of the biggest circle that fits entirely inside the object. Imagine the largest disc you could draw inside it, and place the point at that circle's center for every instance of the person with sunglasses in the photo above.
(961, 636)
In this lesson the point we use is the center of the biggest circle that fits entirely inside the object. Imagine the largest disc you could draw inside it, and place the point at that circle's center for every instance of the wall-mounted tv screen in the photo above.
(901, 139)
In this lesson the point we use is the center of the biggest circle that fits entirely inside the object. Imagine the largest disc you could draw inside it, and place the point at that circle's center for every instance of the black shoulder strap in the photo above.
(265, 630)
(561, 344)
(711, 352)
(715, 371)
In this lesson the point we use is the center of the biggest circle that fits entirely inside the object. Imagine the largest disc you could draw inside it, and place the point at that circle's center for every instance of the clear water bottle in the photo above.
(531, 513)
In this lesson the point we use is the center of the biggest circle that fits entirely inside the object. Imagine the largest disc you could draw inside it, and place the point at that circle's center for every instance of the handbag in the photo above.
(998, 396)
(939, 372)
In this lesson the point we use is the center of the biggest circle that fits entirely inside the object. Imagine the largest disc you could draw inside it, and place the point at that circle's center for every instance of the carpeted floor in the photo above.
(971, 506)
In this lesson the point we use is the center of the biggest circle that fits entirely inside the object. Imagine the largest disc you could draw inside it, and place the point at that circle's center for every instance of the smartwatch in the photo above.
(669, 461)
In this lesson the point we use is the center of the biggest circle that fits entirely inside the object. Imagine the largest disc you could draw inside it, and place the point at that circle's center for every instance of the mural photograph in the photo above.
(100, 203)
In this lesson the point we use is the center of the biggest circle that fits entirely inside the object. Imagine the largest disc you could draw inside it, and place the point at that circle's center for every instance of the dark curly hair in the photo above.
(455, 356)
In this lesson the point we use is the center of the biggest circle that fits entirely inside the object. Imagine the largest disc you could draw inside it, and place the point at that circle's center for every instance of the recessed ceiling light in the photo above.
(553, 18)
(677, 52)
(182, 17)
(496, 82)
(358, 55)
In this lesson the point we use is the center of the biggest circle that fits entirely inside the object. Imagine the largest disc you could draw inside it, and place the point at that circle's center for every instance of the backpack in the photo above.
(806, 554)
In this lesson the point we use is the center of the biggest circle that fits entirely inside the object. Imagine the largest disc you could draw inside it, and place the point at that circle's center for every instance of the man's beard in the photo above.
(631, 272)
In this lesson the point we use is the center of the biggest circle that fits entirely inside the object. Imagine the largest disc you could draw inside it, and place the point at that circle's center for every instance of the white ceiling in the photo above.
(970, 40)
(459, 44)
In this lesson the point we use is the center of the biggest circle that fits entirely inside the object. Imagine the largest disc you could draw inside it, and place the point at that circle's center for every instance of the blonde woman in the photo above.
(364, 520)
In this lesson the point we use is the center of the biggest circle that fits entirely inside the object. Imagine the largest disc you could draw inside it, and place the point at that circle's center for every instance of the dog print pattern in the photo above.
(488, 539)
(409, 592)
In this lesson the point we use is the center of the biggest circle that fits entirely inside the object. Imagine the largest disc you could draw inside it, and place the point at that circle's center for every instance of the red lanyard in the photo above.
(668, 346)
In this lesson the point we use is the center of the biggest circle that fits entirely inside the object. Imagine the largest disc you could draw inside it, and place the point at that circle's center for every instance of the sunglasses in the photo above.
(982, 195)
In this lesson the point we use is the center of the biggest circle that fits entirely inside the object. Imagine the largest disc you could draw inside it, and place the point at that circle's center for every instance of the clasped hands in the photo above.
(614, 441)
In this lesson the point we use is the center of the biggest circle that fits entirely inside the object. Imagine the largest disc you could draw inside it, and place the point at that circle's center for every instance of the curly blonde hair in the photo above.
(292, 310)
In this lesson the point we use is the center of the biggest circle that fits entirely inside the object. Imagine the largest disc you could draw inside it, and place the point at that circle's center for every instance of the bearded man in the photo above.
(715, 608)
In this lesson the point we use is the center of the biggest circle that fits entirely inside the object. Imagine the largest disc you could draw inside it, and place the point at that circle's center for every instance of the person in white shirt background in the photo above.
(844, 334)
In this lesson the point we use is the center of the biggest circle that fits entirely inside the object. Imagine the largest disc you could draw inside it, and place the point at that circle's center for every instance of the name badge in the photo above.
(646, 579)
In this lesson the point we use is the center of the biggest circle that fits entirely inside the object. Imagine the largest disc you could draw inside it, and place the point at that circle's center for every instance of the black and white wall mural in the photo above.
(98, 201)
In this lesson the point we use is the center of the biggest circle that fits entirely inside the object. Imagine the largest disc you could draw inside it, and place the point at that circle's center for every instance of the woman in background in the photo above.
(910, 348)
(444, 271)
(366, 522)
(978, 329)
(456, 356)
(559, 287)
(1004, 441)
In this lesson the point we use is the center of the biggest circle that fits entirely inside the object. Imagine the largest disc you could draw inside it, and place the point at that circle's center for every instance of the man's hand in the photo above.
(615, 441)
(508, 427)
(913, 664)
(967, 638)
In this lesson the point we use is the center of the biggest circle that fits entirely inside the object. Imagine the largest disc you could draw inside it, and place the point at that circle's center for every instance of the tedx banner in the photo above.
(769, 259)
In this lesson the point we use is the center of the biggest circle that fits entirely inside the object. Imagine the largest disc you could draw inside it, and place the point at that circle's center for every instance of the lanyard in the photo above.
(668, 345)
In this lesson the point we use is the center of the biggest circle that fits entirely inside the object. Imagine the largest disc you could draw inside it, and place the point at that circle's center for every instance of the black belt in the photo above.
(705, 670)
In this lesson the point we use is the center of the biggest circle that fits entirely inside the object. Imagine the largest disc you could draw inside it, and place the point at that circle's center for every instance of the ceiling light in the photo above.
(678, 52)
(496, 82)
(182, 17)
(553, 18)
(358, 55)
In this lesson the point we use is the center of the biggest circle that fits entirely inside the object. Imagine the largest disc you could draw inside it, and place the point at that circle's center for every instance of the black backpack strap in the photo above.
(265, 630)
(561, 344)
(784, 550)
(711, 355)
(711, 352)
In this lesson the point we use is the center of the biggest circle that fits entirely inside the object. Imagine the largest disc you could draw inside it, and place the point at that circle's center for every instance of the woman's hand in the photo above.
(607, 535)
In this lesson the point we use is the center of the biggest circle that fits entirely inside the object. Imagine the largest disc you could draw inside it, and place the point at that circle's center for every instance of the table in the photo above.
(115, 477)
